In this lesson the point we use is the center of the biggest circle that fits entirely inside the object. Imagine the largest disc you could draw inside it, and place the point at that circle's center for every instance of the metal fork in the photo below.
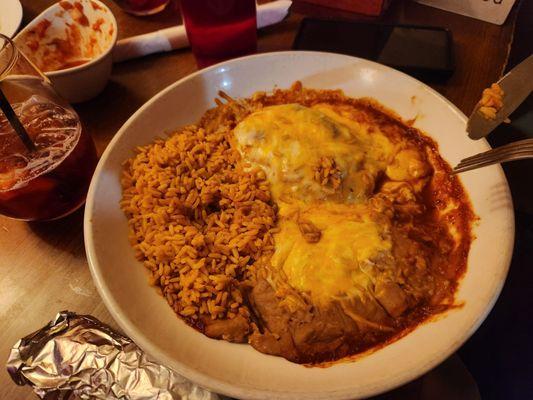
(519, 150)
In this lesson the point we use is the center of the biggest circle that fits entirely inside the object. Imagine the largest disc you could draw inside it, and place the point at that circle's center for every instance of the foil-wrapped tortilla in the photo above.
(78, 357)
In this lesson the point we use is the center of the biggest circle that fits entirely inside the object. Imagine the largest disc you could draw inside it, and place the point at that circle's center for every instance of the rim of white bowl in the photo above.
(223, 387)
(16, 6)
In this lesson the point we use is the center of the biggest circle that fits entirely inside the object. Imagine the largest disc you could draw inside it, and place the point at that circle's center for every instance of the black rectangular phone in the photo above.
(420, 51)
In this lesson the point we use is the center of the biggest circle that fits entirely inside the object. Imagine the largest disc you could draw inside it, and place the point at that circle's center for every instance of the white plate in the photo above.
(239, 370)
(10, 17)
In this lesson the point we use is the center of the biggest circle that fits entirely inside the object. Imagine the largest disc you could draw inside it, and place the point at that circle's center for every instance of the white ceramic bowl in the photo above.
(83, 82)
(239, 370)
(10, 17)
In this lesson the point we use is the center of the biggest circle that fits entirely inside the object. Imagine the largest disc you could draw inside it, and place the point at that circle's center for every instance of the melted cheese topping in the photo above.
(289, 140)
(328, 239)
(341, 263)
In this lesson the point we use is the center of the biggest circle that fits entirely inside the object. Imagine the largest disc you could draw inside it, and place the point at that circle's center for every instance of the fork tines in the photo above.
(519, 150)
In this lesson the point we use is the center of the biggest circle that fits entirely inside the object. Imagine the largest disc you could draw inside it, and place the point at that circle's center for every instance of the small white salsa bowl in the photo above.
(88, 25)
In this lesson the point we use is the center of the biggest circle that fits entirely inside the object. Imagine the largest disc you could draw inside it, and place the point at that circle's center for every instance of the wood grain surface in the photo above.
(43, 268)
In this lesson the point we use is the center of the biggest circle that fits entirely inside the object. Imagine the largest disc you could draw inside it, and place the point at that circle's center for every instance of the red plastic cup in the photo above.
(220, 29)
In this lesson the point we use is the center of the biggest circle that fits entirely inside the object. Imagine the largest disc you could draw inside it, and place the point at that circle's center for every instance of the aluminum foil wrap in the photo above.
(79, 357)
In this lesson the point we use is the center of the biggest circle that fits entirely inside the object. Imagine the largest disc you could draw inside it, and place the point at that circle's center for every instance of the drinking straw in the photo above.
(15, 122)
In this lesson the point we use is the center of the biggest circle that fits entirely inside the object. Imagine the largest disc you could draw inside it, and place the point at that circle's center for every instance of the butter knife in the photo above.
(517, 85)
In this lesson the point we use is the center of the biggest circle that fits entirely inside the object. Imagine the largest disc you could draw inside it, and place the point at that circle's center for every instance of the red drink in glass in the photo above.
(143, 7)
(51, 181)
(220, 29)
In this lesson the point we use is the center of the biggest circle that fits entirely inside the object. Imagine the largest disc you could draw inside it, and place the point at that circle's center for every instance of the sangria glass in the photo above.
(51, 180)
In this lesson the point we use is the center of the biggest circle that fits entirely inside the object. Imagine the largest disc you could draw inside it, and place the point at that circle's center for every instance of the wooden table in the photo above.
(43, 268)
